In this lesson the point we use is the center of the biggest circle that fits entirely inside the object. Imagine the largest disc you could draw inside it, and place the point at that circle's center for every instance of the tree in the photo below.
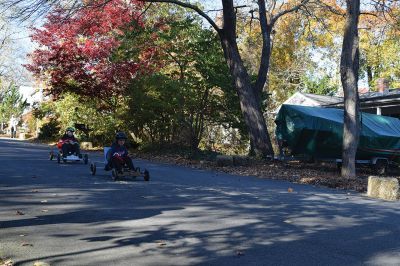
(349, 66)
(77, 53)
(191, 91)
(11, 103)
(249, 93)
(379, 49)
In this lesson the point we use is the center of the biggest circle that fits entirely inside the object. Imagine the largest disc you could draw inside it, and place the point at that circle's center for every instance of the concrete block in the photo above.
(86, 145)
(383, 188)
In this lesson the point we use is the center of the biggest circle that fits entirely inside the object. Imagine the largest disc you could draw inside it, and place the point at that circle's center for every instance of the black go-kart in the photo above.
(126, 172)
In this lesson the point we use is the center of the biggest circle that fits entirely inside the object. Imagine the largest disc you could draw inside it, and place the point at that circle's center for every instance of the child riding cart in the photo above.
(68, 149)
(117, 160)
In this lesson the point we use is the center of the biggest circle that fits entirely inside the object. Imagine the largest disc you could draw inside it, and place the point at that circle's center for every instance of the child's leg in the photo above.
(75, 148)
(129, 163)
(65, 149)
(117, 163)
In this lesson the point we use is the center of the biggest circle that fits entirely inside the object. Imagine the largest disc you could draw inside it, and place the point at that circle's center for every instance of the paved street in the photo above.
(62, 215)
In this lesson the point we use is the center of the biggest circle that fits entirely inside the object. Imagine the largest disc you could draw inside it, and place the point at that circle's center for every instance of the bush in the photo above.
(50, 130)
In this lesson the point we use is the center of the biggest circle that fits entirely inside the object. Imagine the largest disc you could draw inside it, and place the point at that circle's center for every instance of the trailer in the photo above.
(316, 133)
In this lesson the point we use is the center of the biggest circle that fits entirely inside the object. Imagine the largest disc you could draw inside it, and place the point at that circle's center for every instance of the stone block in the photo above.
(86, 145)
(383, 188)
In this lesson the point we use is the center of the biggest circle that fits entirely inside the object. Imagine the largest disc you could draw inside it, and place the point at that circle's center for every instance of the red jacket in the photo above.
(65, 139)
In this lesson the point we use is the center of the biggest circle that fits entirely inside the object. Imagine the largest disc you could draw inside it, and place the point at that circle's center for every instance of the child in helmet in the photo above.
(117, 156)
(68, 143)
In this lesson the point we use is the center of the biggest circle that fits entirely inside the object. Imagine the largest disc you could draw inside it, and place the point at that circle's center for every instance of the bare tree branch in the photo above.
(287, 11)
(189, 6)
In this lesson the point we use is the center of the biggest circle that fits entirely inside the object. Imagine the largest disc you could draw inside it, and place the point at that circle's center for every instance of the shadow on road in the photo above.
(190, 217)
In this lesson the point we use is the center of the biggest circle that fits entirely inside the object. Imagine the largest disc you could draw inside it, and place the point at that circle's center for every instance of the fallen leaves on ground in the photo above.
(40, 263)
(6, 262)
(25, 244)
(161, 243)
(19, 213)
(318, 174)
(239, 253)
(290, 190)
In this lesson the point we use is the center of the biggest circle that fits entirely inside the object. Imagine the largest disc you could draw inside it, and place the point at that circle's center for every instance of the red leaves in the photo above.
(78, 53)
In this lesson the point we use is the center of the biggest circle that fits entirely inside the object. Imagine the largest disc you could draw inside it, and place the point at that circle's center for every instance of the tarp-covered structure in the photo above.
(318, 132)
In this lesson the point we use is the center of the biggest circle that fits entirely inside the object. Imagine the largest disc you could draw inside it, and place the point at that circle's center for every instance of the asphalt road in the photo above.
(183, 216)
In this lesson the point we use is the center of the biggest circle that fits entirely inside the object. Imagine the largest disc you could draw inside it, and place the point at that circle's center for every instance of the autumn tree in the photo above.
(77, 53)
(249, 92)
(379, 48)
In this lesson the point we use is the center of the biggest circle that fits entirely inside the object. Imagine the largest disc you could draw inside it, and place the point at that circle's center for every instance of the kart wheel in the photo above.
(58, 158)
(93, 168)
(86, 159)
(114, 174)
(146, 175)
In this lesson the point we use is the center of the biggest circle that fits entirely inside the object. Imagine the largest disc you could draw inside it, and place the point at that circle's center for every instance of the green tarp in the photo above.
(318, 132)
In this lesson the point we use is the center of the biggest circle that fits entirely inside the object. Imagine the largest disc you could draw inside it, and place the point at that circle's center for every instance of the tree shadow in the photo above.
(190, 217)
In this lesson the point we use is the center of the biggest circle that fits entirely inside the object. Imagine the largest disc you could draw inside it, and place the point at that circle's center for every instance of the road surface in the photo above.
(61, 215)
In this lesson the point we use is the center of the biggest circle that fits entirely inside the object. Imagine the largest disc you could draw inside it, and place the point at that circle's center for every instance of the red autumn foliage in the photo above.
(79, 53)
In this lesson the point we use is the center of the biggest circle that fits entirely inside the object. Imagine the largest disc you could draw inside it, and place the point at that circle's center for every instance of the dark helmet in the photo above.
(120, 135)
(70, 129)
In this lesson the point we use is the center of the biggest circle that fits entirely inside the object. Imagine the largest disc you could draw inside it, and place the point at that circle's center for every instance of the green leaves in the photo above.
(11, 103)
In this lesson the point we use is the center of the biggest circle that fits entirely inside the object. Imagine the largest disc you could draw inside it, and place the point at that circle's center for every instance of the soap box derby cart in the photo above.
(70, 157)
(126, 172)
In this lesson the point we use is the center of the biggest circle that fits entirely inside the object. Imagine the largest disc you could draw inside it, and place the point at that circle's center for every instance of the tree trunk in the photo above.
(370, 77)
(249, 103)
(349, 66)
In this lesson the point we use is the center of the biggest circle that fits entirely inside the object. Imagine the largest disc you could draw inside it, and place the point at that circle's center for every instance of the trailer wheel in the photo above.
(381, 167)
(339, 166)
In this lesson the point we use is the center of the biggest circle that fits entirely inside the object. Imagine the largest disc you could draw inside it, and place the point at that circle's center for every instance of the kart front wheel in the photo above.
(93, 168)
(114, 174)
